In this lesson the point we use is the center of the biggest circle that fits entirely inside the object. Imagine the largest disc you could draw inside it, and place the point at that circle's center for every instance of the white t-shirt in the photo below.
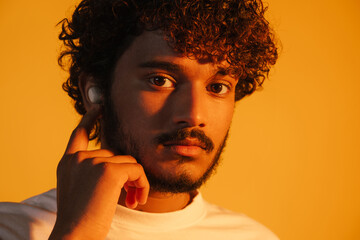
(35, 217)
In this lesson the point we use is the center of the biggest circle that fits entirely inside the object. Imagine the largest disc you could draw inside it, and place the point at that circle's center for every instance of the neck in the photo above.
(161, 202)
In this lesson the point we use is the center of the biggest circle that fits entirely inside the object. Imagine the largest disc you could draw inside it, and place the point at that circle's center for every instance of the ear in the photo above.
(86, 83)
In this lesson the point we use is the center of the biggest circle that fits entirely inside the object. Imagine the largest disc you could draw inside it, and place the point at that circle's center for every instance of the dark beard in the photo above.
(121, 142)
(183, 182)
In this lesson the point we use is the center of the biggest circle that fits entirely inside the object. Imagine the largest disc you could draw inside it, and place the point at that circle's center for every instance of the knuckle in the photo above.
(109, 171)
(105, 167)
(88, 162)
(80, 155)
(108, 152)
(139, 167)
(130, 158)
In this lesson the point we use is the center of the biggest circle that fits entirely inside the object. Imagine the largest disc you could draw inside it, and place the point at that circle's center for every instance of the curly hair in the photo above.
(235, 31)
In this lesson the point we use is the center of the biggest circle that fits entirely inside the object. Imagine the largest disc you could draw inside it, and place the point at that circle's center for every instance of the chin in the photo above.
(182, 175)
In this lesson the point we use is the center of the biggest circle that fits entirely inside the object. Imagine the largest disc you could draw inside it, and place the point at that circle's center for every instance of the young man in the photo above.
(157, 83)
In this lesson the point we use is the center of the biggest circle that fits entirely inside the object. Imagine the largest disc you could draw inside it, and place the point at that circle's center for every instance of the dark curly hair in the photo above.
(217, 30)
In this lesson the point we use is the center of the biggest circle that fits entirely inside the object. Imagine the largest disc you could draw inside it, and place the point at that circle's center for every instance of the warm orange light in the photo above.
(292, 160)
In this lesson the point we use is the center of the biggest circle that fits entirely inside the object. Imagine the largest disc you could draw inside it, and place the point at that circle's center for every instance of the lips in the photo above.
(186, 147)
(186, 142)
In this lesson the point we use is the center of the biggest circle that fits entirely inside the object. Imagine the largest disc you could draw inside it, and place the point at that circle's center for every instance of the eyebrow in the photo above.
(172, 67)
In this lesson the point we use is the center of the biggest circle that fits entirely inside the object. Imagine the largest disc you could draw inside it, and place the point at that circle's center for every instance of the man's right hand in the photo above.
(89, 184)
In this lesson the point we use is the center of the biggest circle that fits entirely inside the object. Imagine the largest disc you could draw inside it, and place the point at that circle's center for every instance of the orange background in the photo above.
(293, 157)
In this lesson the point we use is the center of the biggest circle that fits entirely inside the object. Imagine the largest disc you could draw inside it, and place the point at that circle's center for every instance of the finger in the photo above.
(79, 139)
(141, 192)
(142, 188)
(142, 195)
(111, 159)
(95, 157)
(99, 153)
(136, 179)
(131, 201)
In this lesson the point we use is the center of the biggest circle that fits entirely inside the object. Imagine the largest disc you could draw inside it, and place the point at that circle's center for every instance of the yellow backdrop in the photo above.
(292, 160)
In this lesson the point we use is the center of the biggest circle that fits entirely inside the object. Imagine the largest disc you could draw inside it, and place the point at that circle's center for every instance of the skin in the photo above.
(149, 99)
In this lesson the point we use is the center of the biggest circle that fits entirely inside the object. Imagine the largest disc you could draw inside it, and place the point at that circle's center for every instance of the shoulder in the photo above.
(239, 225)
(30, 219)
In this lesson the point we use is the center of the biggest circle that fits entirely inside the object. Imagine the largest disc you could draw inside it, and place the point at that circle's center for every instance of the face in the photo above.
(170, 112)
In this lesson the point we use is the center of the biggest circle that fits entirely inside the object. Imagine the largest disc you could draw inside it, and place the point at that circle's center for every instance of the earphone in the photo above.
(95, 95)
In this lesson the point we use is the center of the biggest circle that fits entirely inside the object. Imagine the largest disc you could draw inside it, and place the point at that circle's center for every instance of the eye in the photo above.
(218, 88)
(161, 81)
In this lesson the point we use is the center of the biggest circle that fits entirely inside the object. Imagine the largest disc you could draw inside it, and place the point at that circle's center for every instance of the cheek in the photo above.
(140, 111)
(127, 106)
(152, 103)
(228, 115)
(221, 118)
(154, 110)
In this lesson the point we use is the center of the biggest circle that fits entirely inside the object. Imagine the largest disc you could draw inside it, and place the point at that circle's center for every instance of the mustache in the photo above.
(183, 133)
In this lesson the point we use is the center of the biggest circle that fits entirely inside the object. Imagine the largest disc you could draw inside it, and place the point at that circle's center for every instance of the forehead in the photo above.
(151, 46)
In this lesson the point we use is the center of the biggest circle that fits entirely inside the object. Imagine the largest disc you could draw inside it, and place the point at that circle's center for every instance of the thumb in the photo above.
(79, 139)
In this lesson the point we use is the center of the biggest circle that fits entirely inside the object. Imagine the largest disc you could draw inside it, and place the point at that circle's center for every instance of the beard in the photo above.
(122, 142)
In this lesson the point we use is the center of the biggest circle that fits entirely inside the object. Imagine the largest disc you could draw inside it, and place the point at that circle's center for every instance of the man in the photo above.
(157, 83)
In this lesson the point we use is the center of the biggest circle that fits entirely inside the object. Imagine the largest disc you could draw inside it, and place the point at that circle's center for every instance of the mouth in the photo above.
(186, 147)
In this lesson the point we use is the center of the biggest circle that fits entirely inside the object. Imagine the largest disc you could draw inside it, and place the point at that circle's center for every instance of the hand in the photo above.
(89, 185)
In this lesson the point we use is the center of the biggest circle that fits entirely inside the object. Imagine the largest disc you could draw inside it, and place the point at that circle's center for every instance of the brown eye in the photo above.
(161, 82)
(218, 88)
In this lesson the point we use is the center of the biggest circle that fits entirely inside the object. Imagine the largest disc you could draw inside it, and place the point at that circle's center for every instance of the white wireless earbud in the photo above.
(94, 94)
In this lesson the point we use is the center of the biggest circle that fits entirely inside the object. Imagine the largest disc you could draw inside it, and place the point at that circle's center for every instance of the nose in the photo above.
(189, 109)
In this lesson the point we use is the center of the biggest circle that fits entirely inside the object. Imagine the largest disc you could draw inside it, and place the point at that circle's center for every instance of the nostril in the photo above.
(188, 124)
(181, 122)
